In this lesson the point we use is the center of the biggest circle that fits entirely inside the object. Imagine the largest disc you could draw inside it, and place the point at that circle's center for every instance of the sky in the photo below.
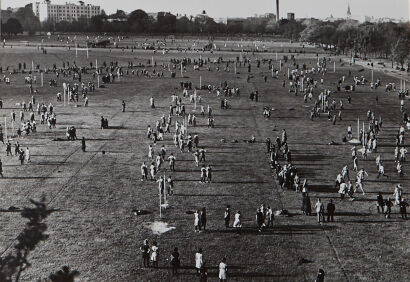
(244, 8)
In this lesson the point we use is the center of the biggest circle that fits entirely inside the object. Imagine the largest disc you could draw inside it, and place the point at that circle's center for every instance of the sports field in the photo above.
(95, 230)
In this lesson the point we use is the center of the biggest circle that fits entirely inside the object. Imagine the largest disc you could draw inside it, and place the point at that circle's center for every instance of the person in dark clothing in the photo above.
(306, 204)
(83, 146)
(123, 106)
(388, 204)
(380, 203)
(403, 207)
(227, 216)
(259, 219)
(175, 262)
(330, 211)
(203, 219)
(102, 122)
(320, 276)
(145, 253)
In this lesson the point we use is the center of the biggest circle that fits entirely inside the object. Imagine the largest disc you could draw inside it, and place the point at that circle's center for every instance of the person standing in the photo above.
(259, 219)
(123, 106)
(203, 174)
(145, 253)
(8, 148)
(227, 216)
(171, 159)
(403, 208)
(154, 254)
(380, 203)
(197, 227)
(270, 216)
(199, 261)
(223, 269)
(175, 261)
(330, 211)
(1, 168)
(319, 210)
(144, 172)
(28, 155)
(237, 221)
(398, 191)
(203, 219)
(83, 146)
(388, 205)
(21, 156)
(208, 173)
(320, 276)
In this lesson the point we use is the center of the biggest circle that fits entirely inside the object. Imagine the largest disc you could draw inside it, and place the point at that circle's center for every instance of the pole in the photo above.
(98, 81)
(165, 192)
(160, 203)
(12, 127)
(200, 82)
(152, 61)
(358, 129)
(76, 50)
(32, 65)
(195, 100)
(64, 97)
(288, 73)
(280, 65)
(272, 71)
(87, 51)
(363, 136)
(182, 74)
(372, 76)
(334, 66)
(42, 79)
(5, 126)
(96, 64)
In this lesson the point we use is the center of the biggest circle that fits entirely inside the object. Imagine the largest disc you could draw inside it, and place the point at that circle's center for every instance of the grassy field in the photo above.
(96, 232)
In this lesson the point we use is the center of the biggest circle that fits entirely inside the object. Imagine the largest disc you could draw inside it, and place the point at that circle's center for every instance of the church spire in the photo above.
(349, 14)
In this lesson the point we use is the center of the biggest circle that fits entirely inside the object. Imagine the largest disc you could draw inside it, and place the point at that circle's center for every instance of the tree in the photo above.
(401, 50)
(166, 23)
(138, 21)
(28, 20)
(184, 25)
(13, 26)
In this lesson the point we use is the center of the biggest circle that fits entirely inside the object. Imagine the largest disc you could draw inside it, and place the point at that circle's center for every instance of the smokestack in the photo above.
(277, 11)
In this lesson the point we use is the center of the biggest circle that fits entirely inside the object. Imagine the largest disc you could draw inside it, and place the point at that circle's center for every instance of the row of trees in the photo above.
(139, 21)
(12, 27)
(383, 40)
(387, 40)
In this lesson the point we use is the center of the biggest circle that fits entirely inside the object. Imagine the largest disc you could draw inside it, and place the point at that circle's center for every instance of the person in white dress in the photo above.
(150, 152)
(154, 254)
(199, 261)
(223, 268)
(196, 221)
(28, 155)
(237, 222)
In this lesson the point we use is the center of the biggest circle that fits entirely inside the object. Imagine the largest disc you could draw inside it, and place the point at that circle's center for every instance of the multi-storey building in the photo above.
(64, 12)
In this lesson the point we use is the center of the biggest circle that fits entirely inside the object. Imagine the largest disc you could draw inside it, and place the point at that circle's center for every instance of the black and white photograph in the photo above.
(204, 140)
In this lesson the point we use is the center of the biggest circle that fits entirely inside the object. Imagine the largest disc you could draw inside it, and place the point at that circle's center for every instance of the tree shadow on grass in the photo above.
(222, 182)
(323, 188)
(276, 230)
